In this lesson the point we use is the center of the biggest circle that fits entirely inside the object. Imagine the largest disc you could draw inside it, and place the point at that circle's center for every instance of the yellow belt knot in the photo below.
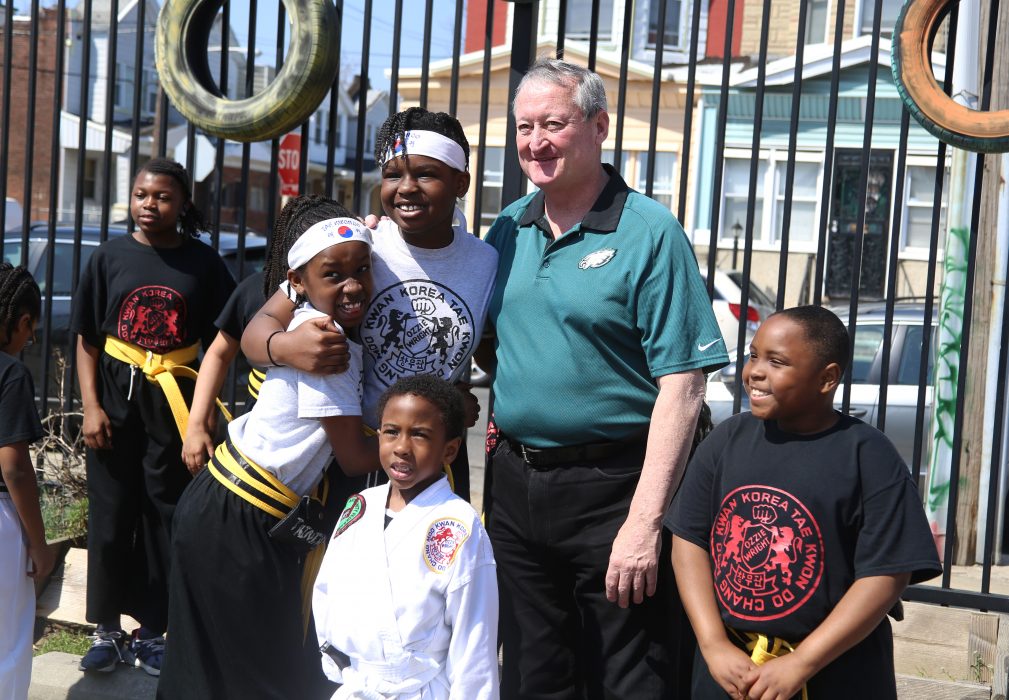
(763, 648)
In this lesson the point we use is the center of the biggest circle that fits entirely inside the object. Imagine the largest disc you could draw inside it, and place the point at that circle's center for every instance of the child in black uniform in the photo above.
(796, 530)
(24, 554)
(144, 304)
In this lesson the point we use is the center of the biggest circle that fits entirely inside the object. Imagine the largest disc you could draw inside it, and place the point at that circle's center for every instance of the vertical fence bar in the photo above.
(362, 106)
(891, 270)
(215, 226)
(828, 156)
(751, 203)
(523, 49)
(484, 100)
(562, 25)
(453, 96)
(138, 84)
(625, 57)
(425, 61)
(162, 123)
(5, 117)
(688, 112)
(110, 93)
(334, 112)
(660, 50)
(863, 184)
(397, 44)
(594, 35)
(54, 186)
(29, 167)
(723, 106)
(272, 194)
(793, 134)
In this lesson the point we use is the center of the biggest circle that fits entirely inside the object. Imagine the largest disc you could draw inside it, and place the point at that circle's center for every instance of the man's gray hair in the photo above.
(586, 86)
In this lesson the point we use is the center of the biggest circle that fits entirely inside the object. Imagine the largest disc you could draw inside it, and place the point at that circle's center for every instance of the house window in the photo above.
(578, 22)
(674, 20)
(320, 125)
(493, 178)
(805, 195)
(369, 139)
(890, 10)
(662, 184)
(625, 163)
(816, 21)
(89, 186)
(736, 186)
(920, 188)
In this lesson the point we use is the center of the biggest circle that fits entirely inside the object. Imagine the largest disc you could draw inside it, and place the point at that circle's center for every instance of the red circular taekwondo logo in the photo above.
(154, 318)
(767, 552)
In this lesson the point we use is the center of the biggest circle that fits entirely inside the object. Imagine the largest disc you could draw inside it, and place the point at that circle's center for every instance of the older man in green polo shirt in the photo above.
(603, 328)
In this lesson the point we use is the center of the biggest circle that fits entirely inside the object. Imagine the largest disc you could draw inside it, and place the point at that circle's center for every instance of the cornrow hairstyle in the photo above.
(827, 336)
(440, 393)
(190, 218)
(396, 126)
(297, 216)
(19, 295)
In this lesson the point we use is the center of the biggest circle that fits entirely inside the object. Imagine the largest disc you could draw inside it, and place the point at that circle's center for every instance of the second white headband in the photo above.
(324, 234)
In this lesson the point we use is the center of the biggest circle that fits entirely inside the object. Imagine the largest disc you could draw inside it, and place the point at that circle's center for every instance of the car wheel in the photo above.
(296, 92)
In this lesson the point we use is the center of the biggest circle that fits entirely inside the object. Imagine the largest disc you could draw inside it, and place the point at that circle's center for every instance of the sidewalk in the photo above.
(930, 645)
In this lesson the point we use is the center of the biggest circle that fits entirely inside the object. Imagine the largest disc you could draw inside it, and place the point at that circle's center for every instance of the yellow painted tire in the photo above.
(952, 123)
(305, 79)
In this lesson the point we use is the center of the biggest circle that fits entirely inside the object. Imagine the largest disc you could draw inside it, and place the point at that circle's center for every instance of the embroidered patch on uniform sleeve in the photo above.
(445, 537)
(352, 512)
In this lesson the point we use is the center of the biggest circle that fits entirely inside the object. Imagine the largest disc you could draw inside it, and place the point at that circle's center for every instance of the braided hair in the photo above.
(295, 218)
(190, 218)
(395, 127)
(19, 295)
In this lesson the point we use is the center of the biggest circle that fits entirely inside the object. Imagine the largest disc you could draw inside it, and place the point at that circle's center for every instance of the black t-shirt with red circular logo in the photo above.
(790, 521)
(160, 299)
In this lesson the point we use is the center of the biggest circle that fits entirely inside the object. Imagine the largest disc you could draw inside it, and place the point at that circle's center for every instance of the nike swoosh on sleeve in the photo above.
(702, 348)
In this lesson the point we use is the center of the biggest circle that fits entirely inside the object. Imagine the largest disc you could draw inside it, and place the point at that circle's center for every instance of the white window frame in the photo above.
(684, 38)
(606, 33)
(910, 252)
(765, 230)
(641, 171)
(827, 24)
(492, 179)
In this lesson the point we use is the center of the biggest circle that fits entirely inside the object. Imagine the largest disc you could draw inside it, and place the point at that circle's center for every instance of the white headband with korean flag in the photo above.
(324, 234)
(421, 142)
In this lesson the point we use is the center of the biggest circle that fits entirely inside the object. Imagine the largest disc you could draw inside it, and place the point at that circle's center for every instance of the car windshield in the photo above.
(757, 295)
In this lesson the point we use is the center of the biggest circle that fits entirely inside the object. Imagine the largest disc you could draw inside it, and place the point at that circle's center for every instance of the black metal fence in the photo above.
(783, 117)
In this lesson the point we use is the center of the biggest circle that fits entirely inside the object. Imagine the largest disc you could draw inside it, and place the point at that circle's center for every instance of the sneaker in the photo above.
(147, 654)
(106, 651)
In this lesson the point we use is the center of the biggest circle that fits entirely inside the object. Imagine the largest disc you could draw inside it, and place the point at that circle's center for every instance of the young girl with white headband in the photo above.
(247, 529)
(433, 278)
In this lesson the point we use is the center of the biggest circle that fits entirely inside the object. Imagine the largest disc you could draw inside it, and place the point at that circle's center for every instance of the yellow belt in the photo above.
(763, 648)
(256, 379)
(162, 370)
(257, 486)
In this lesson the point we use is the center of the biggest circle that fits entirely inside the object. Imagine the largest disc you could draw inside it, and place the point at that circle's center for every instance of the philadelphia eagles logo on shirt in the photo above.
(767, 553)
(417, 327)
(597, 258)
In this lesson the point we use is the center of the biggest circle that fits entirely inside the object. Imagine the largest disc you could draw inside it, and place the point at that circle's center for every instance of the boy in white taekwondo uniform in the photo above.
(406, 602)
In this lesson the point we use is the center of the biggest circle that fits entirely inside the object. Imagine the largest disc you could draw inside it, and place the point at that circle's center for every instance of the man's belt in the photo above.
(762, 648)
(539, 457)
(162, 370)
(256, 379)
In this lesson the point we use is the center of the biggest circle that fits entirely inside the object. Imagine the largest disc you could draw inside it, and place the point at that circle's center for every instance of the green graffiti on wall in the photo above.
(947, 371)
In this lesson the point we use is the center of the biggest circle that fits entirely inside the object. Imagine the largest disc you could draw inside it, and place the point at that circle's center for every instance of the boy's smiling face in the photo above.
(787, 380)
(413, 446)
(337, 281)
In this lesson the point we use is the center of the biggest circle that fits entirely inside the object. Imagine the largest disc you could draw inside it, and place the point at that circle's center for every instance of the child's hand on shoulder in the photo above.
(197, 448)
(781, 678)
(731, 668)
(43, 559)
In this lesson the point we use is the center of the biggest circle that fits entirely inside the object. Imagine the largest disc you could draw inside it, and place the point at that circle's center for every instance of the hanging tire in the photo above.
(305, 79)
(948, 121)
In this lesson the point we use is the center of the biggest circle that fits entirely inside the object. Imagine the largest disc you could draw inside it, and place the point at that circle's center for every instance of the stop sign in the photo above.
(289, 164)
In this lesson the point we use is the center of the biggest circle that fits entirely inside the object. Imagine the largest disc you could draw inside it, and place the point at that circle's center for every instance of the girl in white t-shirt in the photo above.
(250, 523)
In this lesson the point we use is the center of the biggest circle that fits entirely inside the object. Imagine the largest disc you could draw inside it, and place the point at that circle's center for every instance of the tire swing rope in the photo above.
(304, 81)
(948, 121)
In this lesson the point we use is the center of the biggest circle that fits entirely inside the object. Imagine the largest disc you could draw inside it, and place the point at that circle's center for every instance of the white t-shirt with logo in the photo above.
(282, 432)
(428, 310)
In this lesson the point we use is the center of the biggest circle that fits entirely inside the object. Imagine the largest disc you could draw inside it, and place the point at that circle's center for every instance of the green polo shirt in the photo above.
(585, 324)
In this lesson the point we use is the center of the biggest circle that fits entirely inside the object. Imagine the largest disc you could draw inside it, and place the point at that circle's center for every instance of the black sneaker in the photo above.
(147, 653)
(106, 651)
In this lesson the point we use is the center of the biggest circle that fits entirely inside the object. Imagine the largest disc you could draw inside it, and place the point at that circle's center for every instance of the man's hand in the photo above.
(731, 668)
(781, 678)
(470, 404)
(316, 347)
(634, 562)
(97, 429)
